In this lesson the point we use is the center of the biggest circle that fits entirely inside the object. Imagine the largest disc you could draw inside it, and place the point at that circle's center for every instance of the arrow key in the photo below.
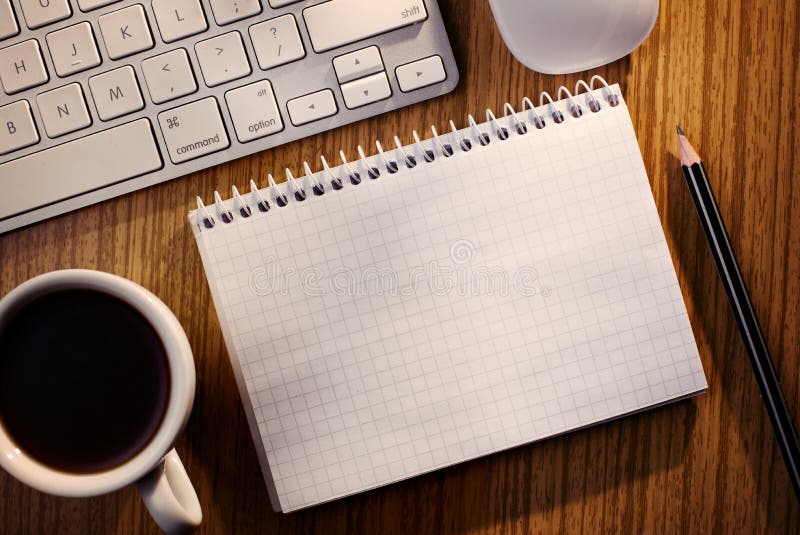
(222, 58)
(421, 73)
(312, 107)
(358, 64)
(366, 90)
(169, 76)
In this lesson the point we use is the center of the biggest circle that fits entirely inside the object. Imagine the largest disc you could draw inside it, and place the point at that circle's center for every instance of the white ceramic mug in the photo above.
(156, 469)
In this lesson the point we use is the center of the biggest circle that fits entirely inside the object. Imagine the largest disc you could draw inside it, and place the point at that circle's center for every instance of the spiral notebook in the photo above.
(460, 295)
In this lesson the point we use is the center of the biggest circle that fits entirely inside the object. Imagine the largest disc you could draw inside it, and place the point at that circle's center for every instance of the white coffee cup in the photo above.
(156, 469)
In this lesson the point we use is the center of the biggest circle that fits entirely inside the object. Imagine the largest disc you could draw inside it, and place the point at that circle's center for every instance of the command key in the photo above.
(193, 130)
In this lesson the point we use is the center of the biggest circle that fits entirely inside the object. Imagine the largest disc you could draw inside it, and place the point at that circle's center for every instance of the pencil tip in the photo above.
(678, 128)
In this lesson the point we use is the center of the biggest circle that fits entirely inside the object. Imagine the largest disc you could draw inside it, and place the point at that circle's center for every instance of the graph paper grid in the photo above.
(469, 305)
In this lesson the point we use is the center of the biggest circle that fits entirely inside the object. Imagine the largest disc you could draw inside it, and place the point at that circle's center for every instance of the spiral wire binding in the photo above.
(263, 206)
(355, 178)
(391, 165)
(411, 162)
(555, 113)
(372, 172)
(465, 144)
(500, 131)
(574, 108)
(482, 137)
(446, 148)
(244, 208)
(428, 154)
(538, 121)
(310, 181)
(277, 197)
(519, 126)
(336, 182)
(594, 104)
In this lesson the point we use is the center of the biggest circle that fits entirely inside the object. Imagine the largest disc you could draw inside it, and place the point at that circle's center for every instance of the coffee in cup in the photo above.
(96, 382)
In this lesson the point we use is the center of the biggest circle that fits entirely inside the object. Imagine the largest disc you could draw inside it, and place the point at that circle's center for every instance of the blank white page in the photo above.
(482, 301)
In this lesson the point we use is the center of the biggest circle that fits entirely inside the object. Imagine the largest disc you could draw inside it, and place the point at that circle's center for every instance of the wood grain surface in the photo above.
(728, 72)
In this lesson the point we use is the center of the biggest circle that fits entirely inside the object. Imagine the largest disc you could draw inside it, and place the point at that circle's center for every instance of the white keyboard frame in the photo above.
(307, 75)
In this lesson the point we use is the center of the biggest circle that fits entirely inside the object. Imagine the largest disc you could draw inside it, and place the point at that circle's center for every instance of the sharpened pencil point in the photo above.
(688, 155)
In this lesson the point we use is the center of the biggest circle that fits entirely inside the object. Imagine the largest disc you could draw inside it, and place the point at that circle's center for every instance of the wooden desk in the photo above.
(729, 72)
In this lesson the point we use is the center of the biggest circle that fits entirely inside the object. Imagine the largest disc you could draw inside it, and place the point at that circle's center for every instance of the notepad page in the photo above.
(462, 307)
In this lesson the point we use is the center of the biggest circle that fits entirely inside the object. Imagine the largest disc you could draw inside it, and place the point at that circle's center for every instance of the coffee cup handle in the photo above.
(170, 497)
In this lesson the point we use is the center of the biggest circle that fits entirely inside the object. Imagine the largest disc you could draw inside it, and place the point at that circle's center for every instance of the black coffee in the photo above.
(84, 380)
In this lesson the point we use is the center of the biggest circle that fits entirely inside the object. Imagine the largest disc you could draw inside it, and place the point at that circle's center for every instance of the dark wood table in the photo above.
(728, 72)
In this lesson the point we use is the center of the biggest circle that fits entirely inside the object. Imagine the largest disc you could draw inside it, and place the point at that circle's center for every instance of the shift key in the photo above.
(193, 130)
(339, 22)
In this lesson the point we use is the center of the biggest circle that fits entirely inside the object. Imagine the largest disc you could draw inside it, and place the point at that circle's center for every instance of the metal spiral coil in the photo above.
(391, 162)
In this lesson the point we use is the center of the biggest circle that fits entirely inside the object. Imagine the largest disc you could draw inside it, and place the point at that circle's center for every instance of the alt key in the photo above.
(254, 111)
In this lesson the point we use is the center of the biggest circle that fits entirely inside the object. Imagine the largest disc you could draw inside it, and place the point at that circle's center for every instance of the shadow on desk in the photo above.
(734, 403)
(565, 482)
(553, 481)
(558, 481)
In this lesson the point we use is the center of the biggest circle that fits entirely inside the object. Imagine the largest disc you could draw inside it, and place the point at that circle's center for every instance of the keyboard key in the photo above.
(358, 64)
(73, 49)
(339, 22)
(21, 66)
(125, 31)
(277, 41)
(420, 73)
(8, 22)
(78, 166)
(17, 128)
(63, 110)
(281, 3)
(226, 11)
(179, 18)
(169, 76)
(40, 12)
(116, 93)
(222, 58)
(254, 111)
(88, 5)
(366, 90)
(193, 130)
(312, 107)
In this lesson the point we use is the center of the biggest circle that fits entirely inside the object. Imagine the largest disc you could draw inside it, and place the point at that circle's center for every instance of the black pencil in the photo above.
(739, 300)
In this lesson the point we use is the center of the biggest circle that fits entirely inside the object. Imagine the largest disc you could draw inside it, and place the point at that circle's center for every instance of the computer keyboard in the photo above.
(104, 97)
